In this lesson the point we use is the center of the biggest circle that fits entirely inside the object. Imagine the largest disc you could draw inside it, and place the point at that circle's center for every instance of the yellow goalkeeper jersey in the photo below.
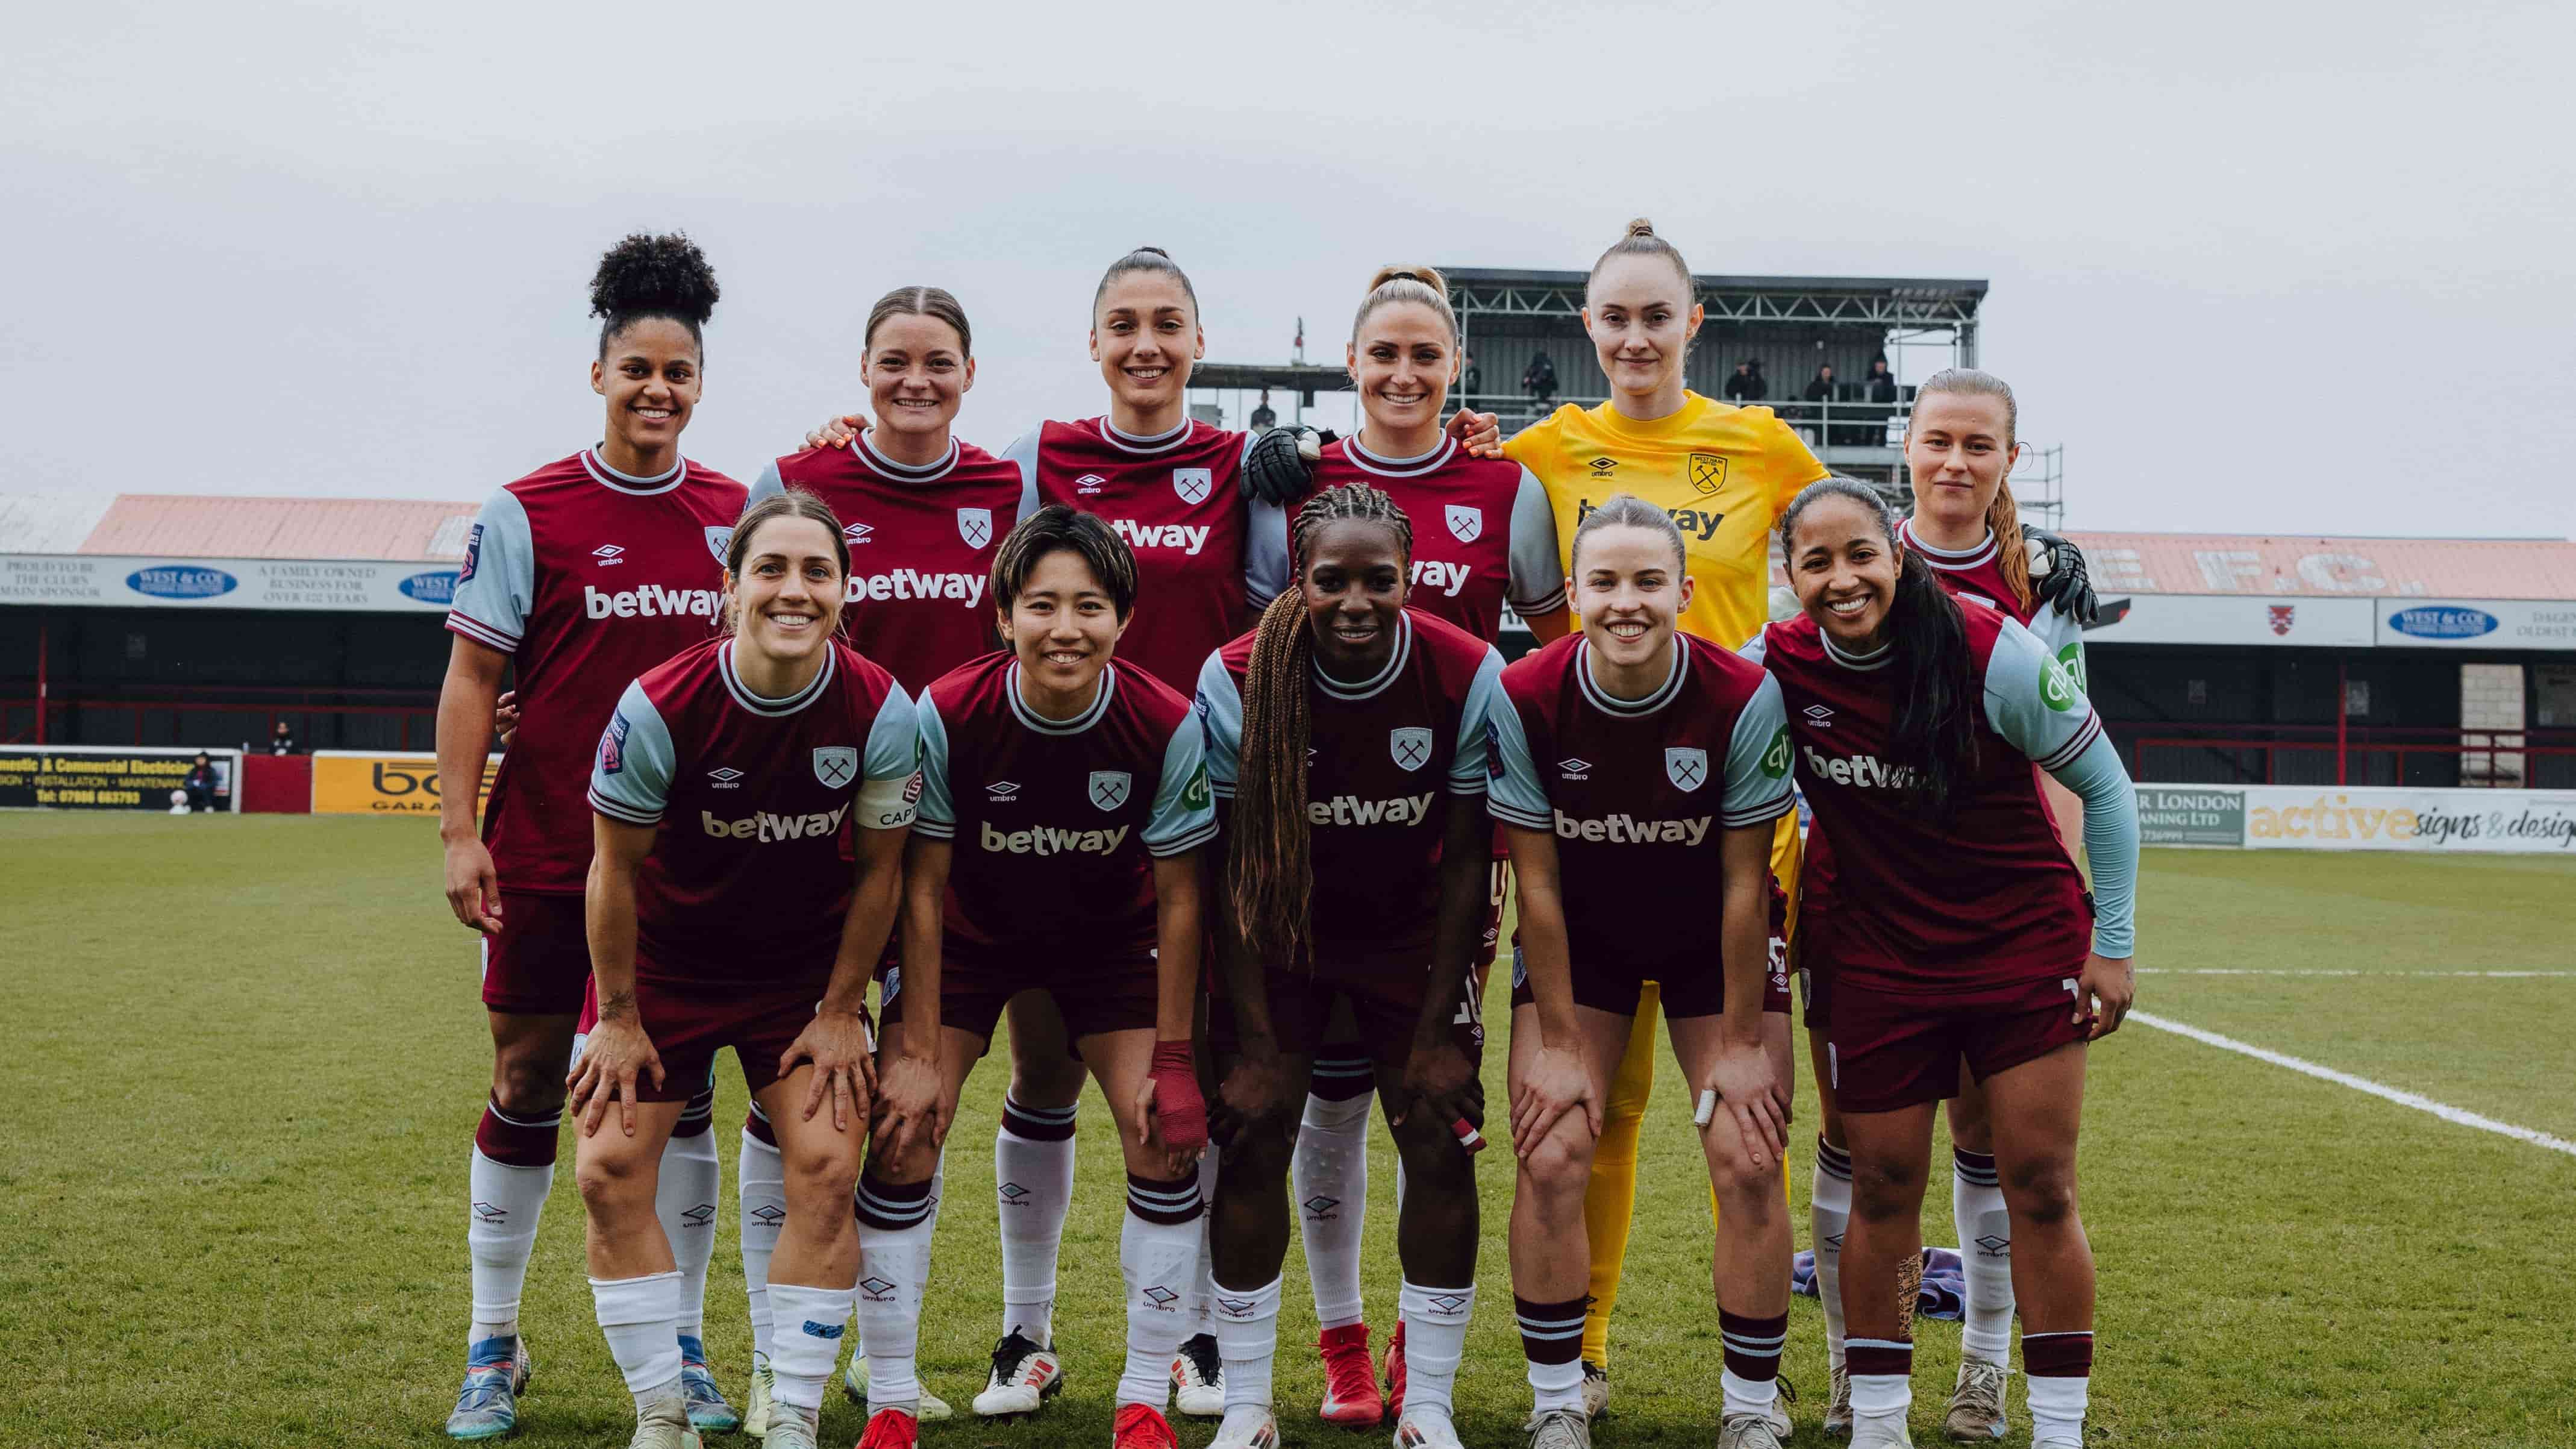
(1724, 473)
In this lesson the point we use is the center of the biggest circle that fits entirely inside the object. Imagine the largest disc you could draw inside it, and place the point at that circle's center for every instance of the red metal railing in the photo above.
(417, 730)
(2255, 752)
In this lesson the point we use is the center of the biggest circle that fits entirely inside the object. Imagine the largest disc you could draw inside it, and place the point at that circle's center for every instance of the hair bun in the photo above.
(1421, 276)
(1156, 251)
(1639, 226)
(654, 276)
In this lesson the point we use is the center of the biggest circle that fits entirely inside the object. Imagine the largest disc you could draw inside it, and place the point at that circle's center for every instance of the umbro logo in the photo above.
(1090, 483)
(1817, 714)
(487, 1213)
(1162, 1297)
(875, 1287)
(1012, 1192)
(701, 1216)
(607, 554)
(1002, 790)
(857, 532)
(1447, 1302)
(1320, 1204)
(726, 777)
(769, 1215)
(1603, 467)
(1993, 1247)
(1576, 769)
(1236, 1307)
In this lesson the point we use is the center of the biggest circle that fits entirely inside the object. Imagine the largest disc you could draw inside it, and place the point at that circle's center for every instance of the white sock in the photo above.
(1330, 1174)
(2057, 1411)
(684, 1198)
(1881, 1396)
(802, 1353)
(762, 1177)
(1435, 1335)
(894, 1262)
(1203, 1283)
(1158, 1256)
(1829, 1217)
(1552, 1385)
(1247, 1340)
(638, 1316)
(1745, 1396)
(1033, 1187)
(1985, 1247)
(502, 1207)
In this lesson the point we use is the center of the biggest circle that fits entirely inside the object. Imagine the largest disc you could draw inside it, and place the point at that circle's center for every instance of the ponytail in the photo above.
(1930, 674)
(2003, 519)
(1269, 851)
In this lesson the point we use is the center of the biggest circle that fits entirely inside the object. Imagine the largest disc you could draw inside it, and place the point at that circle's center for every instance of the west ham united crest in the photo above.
(975, 525)
(1708, 472)
(1687, 768)
(1109, 788)
(719, 538)
(1466, 524)
(1410, 746)
(1193, 484)
(836, 765)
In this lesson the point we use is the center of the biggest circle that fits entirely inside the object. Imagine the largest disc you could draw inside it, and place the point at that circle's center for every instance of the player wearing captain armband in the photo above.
(722, 914)
(1963, 936)
(1064, 803)
(1348, 734)
(1959, 453)
(577, 578)
(1487, 540)
(1640, 764)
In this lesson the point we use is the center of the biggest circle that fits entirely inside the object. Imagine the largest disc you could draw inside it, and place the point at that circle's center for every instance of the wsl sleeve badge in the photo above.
(612, 746)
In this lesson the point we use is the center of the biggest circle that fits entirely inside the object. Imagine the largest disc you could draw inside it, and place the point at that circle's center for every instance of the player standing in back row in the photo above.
(580, 576)
(1962, 932)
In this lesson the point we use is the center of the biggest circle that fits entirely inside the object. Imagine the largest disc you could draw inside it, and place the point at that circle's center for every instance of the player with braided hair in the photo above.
(1346, 741)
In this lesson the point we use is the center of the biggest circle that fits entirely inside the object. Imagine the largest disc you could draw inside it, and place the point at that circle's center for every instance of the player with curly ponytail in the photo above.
(1346, 741)
(618, 524)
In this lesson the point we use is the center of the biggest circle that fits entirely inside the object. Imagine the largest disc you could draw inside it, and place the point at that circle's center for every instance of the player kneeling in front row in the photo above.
(1636, 766)
(1962, 934)
(1063, 804)
(721, 914)
(1349, 733)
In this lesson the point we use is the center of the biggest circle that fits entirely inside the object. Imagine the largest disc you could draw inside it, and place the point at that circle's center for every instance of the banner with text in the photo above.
(95, 777)
(2308, 817)
(355, 782)
(108, 580)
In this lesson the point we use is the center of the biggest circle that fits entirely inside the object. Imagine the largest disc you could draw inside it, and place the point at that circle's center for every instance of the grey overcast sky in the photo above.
(2260, 267)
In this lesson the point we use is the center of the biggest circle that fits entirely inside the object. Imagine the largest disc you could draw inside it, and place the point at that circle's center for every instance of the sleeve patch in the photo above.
(2057, 686)
(473, 553)
(1196, 795)
(612, 745)
(1775, 759)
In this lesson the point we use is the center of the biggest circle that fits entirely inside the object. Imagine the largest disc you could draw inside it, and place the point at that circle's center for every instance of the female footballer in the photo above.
(1962, 936)
(1201, 507)
(1064, 803)
(578, 577)
(1494, 547)
(1635, 765)
(1349, 733)
(721, 913)
(1959, 450)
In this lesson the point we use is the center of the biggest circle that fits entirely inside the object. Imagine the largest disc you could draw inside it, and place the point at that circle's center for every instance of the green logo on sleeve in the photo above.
(1775, 760)
(1194, 795)
(2057, 686)
(2072, 656)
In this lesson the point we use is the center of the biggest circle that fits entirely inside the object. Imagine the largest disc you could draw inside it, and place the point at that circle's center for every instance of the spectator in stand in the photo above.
(1748, 384)
(1821, 387)
(1539, 381)
(1880, 382)
(200, 783)
(1263, 418)
(281, 740)
(1881, 388)
(1472, 380)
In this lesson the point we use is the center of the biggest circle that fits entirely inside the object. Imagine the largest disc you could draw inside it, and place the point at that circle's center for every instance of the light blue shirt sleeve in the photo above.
(937, 817)
(1537, 582)
(1516, 794)
(769, 484)
(1265, 553)
(1184, 815)
(1484, 701)
(2034, 702)
(2110, 843)
(1757, 761)
(498, 581)
(1023, 454)
(630, 781)
(888, 793)
(1757, 647)
(1220, 712)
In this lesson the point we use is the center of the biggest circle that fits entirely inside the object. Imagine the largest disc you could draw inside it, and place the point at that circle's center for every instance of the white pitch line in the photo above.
(2443, 1110)
(2280, 971)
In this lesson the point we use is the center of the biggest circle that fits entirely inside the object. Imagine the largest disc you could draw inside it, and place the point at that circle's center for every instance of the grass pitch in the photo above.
(250, 1057)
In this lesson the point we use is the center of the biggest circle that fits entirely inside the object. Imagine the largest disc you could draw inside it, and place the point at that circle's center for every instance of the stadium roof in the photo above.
(174, 525)
(1960, 287)
(2219, 563)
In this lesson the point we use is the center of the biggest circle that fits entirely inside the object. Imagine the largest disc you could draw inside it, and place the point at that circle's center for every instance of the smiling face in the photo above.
(1354, 589)
(1062, 624)
(1145, 334)
(918, 372)
(787, 599)
(649, 373)
(1403, 362)
(1843, 565)
(1629, 588)
(1641, 320)
(1958, 448)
